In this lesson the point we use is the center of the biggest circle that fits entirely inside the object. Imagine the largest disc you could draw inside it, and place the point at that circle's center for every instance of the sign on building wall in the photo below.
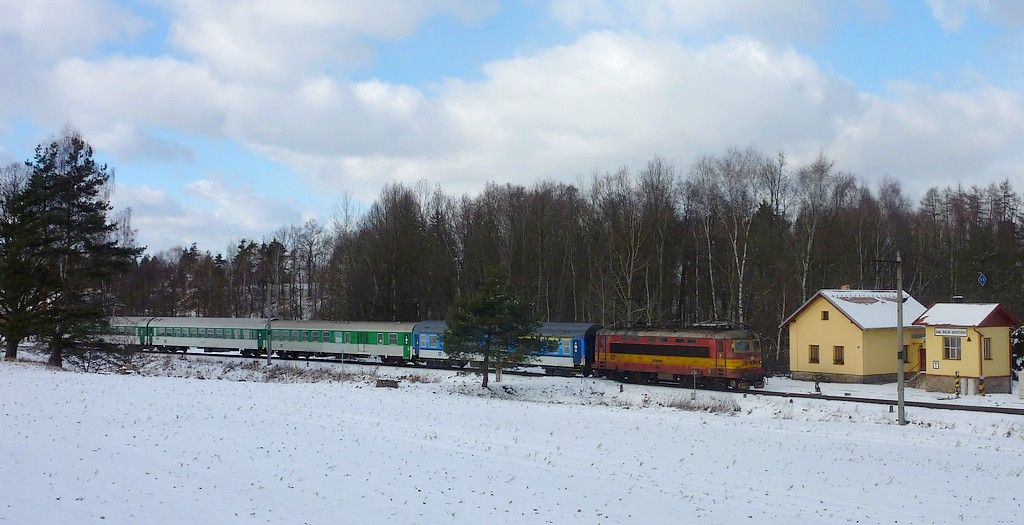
(951, 332)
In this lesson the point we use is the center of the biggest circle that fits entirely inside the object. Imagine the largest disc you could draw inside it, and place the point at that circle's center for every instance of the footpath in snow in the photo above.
(233, 443)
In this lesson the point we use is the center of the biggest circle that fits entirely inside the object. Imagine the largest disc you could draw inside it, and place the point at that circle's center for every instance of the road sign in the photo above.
(982, 279)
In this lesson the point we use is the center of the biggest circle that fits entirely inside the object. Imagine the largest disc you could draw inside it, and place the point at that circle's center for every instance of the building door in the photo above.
(922, 357)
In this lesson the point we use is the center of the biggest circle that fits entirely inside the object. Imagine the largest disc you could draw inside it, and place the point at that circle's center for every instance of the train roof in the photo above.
(431, 326)
(206, 322)
(692, 333)
(354, 326)
(127, 321)
(568, 329)
(545, 329)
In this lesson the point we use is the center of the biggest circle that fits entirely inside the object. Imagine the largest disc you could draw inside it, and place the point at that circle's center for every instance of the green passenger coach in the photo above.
(390, 341)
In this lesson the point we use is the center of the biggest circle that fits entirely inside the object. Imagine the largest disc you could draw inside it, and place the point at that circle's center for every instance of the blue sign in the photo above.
(982, 279)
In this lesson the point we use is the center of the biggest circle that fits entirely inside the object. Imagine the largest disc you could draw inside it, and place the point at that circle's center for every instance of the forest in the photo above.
(741, 236)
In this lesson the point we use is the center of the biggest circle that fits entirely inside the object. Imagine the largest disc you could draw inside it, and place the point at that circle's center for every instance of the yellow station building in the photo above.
(849, 336)
(969, 341)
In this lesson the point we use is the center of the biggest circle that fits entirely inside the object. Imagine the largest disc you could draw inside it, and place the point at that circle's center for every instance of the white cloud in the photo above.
(241, 210)
(275, 40)
(951, 14)
(163, 221)
(130, 143)
(54, 28)
(927, 137)
(606, 99)
(798, 18)
(564, 112)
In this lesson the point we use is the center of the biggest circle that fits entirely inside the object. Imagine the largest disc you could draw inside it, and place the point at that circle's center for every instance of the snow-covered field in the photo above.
(250, 444)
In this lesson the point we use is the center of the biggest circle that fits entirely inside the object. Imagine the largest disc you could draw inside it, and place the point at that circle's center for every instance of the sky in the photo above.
(225, 119)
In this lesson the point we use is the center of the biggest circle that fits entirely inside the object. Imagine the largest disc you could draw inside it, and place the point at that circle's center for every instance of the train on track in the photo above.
(710, 354)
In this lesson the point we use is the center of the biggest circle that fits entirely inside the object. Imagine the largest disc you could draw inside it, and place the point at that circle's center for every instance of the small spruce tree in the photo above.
(493, 327)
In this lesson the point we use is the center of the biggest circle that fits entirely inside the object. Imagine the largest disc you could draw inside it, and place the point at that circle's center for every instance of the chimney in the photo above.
(958, 298)
(844, 287)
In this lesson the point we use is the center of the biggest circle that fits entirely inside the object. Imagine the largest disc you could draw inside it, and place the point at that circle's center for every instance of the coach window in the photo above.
(433, 341)
(812, 354)
(837, 355)
(305, 336)
(824, 315)
(392, 339)
(951, 348)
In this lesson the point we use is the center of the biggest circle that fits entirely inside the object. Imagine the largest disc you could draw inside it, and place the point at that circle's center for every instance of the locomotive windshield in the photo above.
(745, 346)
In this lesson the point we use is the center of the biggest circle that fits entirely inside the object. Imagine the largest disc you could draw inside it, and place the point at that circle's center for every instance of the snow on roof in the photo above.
(868, 309)
(964, 314)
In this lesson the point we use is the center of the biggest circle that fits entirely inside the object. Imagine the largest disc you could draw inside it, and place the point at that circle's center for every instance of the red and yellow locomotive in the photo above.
(721, 355)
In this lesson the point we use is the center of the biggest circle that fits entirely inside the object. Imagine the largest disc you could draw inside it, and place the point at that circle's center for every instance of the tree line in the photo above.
(61, 251)
(740, 235)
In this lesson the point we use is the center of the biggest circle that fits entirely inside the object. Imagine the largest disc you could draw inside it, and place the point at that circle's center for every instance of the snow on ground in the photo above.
(888, 391)
(262, 445)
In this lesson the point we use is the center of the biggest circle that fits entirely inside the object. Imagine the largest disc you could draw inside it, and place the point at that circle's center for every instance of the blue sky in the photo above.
(226, 119)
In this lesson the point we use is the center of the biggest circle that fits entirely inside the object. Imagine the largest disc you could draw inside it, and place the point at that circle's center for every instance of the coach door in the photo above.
(719, 346)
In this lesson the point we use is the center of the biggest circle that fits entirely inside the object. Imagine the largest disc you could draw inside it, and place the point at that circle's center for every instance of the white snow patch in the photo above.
(115, 448)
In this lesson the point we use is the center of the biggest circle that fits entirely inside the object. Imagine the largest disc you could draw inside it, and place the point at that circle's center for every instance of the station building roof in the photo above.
(967, 314)
(868, 309)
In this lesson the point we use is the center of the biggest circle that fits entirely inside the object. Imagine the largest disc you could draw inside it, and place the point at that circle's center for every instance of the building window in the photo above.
(951, 347)
(837, 355)
(986, 345)
(906, 354)
(812, 354)
(824, 315)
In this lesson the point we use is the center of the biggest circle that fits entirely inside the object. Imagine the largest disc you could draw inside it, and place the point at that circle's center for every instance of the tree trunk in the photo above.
(56, 357)
(12, 350)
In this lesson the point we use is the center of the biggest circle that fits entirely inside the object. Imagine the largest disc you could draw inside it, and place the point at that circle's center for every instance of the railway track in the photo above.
(766, 393)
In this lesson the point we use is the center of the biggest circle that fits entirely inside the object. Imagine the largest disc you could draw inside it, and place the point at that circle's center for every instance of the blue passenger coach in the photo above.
(573, 348)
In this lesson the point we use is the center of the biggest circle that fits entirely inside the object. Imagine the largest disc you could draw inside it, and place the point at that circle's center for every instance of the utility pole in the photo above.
(902, 416)
(900, 352)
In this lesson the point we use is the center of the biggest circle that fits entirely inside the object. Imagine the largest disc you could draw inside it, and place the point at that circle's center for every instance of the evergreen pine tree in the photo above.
(66, 190)
(493, 327)
(24, 273)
